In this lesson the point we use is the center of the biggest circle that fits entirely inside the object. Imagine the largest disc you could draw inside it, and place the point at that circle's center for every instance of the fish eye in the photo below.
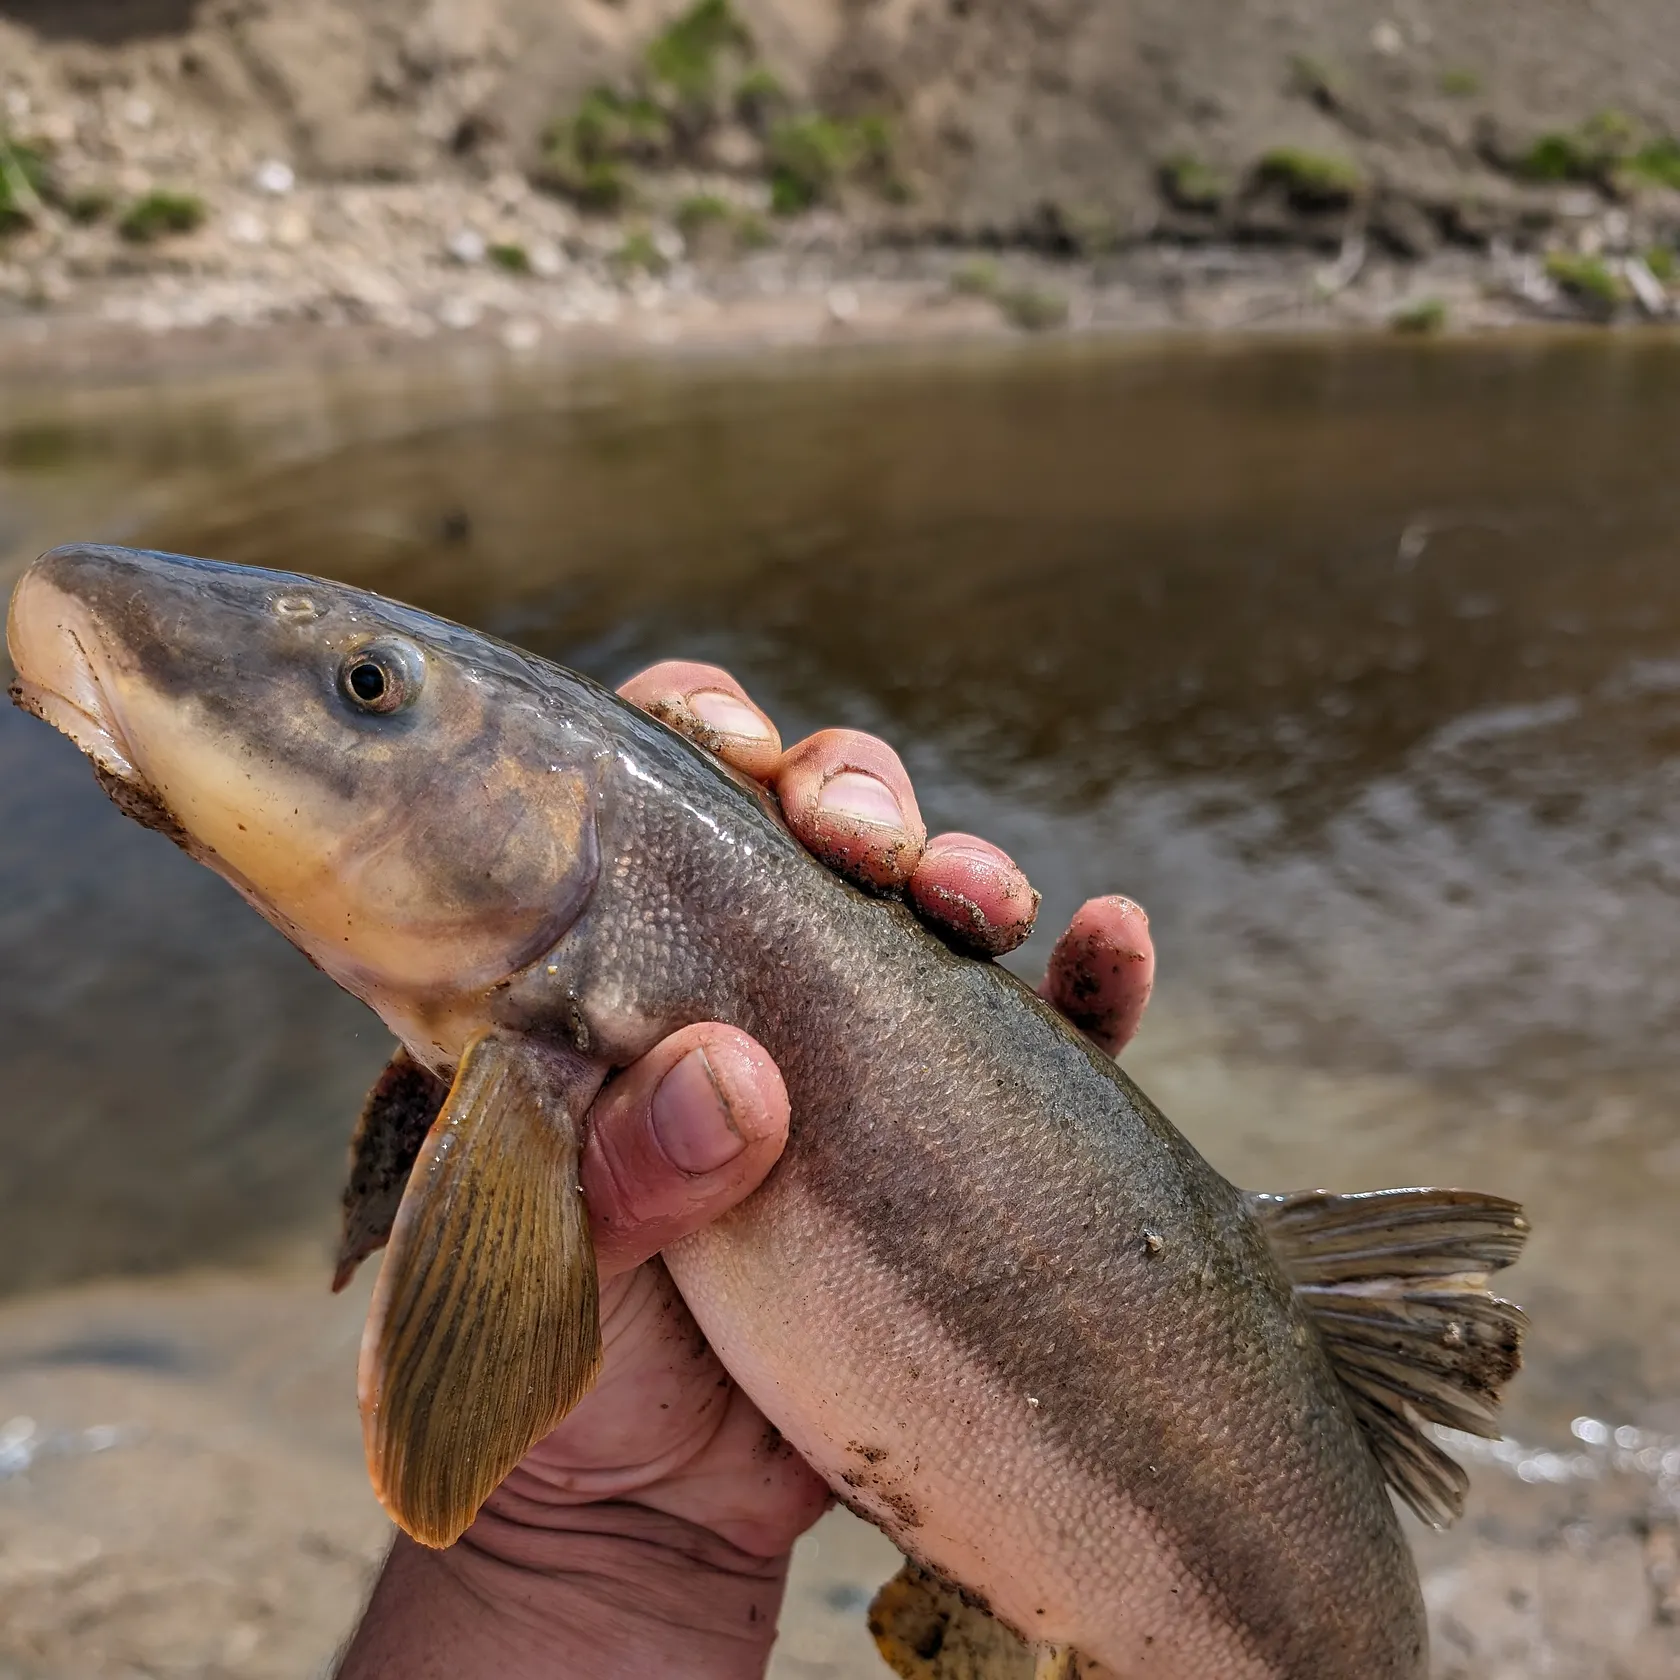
(381, 676)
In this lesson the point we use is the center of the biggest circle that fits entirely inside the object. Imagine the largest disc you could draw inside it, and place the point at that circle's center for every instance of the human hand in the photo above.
(650, 1533)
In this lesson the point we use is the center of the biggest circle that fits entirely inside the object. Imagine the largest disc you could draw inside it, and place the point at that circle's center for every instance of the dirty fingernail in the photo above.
(691, 1119)
(861, 797)
(727, 715)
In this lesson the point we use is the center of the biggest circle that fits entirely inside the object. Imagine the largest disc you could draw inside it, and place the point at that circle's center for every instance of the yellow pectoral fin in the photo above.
(485, 1326)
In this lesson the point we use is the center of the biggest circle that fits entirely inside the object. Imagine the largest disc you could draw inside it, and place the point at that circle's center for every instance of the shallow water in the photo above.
(1360, 667)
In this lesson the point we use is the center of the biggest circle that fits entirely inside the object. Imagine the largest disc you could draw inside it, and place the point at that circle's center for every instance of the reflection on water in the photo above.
(1360, 668)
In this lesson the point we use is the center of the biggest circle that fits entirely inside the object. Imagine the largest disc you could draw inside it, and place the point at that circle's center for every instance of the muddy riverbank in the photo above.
(532, 173)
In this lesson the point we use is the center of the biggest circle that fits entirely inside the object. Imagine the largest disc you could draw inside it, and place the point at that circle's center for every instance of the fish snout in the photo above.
(53, 636)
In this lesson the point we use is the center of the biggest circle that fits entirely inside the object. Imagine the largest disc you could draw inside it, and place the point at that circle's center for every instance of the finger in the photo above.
(974, 893)
(1102, 971)
(679, 1138)
(848, 799)
(707, 705)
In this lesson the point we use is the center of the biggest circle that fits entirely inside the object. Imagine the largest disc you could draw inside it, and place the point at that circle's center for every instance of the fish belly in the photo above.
(960, 1470)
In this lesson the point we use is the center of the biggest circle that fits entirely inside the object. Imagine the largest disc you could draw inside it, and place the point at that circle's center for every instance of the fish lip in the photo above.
(55, 650)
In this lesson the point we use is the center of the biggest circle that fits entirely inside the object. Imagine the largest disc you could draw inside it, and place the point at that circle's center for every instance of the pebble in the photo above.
(467, 247)
(521, 334)
(460, 313)
(274, 178)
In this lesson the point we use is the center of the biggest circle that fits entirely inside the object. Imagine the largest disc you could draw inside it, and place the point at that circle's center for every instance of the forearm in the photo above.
(618, 1592)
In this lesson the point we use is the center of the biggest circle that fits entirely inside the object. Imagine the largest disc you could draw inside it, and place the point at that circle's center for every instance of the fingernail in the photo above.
(691, 1118)
(973, 850)
(727, 715)
(861, 797)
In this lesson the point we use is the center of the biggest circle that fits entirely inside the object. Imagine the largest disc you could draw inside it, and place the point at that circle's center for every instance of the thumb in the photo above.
(678, 1139)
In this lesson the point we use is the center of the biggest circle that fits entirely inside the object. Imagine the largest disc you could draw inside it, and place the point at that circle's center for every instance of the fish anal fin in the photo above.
(485, 1329)
(394, 1121)
(1395, 1281)
(926, 1630)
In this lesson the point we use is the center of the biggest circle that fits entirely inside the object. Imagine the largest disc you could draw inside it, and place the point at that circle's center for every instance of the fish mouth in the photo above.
(55, 648)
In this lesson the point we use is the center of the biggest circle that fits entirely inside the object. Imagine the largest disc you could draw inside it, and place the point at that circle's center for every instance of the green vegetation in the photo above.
(91, 204)
(976, 277)
(1605, 151)
(1316, 80)
(1589, 280)
(1191, 184)
(1661, 261)
(586, 156)
(1311, 180)
(695, 75)
(23, 183)
(1427, 315)
(752, 232)
(701, 211)
(1657, 162)
(760, 99)
(640, 252)
(1460, 83)
(1559, 157)
(161, 214)
(687, 60)
(514, 258)
(810, 157)
(1033, 308)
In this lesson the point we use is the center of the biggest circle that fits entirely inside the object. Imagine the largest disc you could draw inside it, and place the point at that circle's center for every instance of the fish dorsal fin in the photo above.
(398, 1113)
(1395, 1282)
(485, 1327)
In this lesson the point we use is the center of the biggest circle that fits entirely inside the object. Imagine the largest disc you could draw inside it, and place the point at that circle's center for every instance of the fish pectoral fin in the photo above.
(925, 1630)
(394, 1121)
(1395, 1283)
(485, 1327)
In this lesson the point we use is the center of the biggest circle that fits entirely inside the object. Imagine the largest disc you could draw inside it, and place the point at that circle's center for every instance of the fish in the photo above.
(1121, 1417)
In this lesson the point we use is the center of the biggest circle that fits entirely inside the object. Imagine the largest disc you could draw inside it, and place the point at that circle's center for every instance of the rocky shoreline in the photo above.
(728, 171)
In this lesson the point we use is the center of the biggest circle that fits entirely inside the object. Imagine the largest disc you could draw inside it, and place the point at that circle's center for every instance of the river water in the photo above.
(1358, 666)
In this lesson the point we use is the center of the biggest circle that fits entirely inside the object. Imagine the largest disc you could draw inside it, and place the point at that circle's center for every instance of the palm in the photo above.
(666, 1427)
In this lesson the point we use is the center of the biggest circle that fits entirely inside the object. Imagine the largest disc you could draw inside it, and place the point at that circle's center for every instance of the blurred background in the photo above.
(1227, 448)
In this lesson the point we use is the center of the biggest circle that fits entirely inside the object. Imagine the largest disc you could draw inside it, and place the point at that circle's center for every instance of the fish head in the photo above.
(407, 801)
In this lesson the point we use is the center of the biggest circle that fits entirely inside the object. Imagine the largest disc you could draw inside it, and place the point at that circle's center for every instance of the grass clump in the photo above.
(811, 157)
(977, 277)
(752, 232)
(640, 253)
(23, 184)
(687, 60)
(510, 257)
(1311, 180)
(1427, 315)
(1661, 261)
(760, 99)
(587, 156)
(702, 211)
(160, 215)
(1603, 152)
(1459, 83)
(1590, 281)
(91, 204)
(1033, 308)
(1190, 184)
(1657, 163)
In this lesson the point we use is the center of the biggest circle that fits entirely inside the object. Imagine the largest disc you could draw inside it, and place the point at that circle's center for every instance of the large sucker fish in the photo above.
(1122, 1417)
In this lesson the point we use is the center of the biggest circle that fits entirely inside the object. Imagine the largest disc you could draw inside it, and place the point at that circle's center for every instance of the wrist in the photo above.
(615, 1591)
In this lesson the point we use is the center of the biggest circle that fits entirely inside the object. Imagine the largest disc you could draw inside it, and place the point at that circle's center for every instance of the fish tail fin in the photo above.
(1396, 1283)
